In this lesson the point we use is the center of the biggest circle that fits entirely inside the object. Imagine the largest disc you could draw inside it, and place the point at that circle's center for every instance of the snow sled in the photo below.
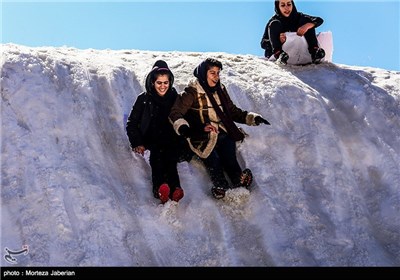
(297, 48)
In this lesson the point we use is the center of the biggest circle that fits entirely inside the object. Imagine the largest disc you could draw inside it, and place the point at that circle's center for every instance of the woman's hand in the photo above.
(282, 37)
(139, 150)
(210, 127)
(303, 29)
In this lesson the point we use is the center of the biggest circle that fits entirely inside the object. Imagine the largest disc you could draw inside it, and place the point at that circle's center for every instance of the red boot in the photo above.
(163, 193)
(177, 194)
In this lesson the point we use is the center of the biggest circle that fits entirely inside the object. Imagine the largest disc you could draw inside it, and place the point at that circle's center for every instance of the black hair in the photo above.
(160, 72)
(212, 62)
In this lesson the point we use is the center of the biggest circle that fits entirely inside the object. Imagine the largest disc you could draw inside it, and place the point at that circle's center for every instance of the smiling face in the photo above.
(213, 76)
(161, 84)
(285, 7)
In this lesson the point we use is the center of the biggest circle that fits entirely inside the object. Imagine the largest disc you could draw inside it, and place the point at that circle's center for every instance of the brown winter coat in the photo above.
(194, 109)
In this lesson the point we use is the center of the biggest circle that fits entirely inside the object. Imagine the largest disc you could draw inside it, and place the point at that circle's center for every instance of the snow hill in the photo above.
(327, 176)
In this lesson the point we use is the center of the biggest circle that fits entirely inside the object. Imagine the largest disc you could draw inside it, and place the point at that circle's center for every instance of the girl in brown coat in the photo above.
(205, 115)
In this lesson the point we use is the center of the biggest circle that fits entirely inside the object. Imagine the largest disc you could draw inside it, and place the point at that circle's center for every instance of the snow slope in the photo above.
(327, 185)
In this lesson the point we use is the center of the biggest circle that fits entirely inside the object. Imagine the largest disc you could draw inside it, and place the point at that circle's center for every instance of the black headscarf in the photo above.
(164, 102)
(200, 72)
(160, 131)
(159, 67)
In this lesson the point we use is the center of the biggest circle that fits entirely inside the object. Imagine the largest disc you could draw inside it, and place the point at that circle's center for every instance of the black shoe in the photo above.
(246, 178)
(282, 58)
(218, 192)
(317, 55)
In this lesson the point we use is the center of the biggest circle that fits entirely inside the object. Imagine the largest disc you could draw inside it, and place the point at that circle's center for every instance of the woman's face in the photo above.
(285, 7)
(213, 76)
(161, 84)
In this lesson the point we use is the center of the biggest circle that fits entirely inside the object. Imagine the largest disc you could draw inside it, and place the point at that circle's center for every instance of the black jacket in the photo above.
(148, 122)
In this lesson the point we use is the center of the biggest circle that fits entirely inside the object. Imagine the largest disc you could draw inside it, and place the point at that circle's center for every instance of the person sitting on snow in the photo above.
(205, 115)
(287, 19)
(148, 128)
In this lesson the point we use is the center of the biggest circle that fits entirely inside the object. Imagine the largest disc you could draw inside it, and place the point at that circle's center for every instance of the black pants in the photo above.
(275, 28)
(163, 164)
(223, 158)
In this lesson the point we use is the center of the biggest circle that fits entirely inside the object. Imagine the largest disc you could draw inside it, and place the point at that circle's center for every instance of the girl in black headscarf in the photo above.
(148, 128)
(287, 19)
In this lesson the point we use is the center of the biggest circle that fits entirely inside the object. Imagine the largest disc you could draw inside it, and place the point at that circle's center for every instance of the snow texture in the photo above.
(327, 176)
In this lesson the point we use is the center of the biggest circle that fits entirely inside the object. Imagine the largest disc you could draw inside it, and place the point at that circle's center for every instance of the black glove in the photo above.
(258, 120)
(184, 130)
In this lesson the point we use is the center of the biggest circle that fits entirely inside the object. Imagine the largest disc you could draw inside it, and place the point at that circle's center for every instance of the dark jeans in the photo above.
(275, 28)
(164, 169)
(223, 158)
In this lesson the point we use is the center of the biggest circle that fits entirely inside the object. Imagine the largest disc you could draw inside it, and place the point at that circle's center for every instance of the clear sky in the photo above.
(365, 33)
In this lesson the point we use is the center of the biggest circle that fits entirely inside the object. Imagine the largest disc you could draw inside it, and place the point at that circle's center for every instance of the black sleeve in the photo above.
(316, 20)
(265, 37)
(265, 42)
(133, 123)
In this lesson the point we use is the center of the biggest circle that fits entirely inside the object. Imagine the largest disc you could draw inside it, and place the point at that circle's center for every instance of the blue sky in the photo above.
(365, 33)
